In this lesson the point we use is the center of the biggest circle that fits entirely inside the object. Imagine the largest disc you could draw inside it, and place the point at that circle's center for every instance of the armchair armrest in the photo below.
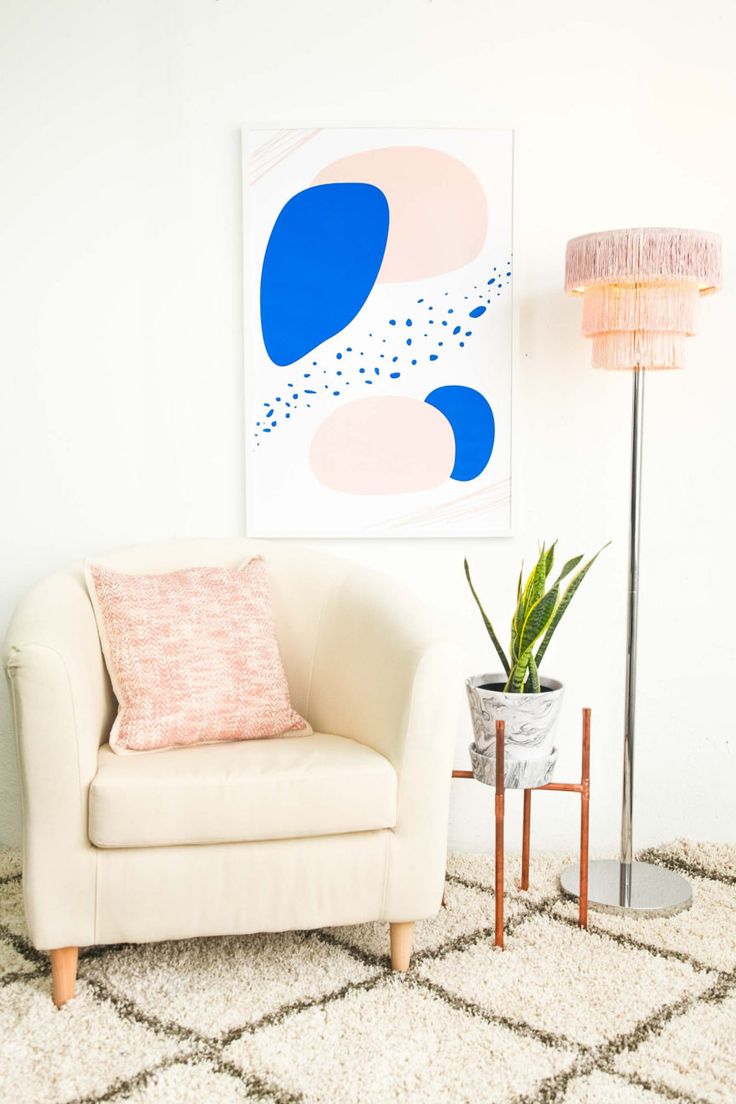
(62, 709)
(385, 674)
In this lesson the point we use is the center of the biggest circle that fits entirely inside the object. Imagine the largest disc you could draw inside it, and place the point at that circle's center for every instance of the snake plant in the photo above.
(538, 613)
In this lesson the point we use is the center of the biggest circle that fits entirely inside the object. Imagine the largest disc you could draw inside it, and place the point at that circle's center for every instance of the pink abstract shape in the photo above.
(385, 445)
(438, 210)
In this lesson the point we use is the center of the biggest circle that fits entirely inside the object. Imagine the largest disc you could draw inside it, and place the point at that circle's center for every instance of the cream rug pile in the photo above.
(633, 1012)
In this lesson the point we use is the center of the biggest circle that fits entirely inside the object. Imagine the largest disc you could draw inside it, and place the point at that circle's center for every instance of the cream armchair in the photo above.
(343, 827)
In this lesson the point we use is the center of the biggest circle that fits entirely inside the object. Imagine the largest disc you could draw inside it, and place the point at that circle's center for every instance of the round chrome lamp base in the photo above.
(639, 888)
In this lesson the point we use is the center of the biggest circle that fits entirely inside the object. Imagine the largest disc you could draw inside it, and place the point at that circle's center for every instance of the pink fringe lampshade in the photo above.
(640, 292)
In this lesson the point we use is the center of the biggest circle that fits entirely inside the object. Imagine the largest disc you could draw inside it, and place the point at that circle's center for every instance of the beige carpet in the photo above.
(629, 1013)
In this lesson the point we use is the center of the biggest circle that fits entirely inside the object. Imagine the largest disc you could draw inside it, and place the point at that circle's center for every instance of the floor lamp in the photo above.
(640, 290)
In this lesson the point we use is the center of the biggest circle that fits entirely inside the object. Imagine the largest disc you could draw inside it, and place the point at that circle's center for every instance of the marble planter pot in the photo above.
(529, 733)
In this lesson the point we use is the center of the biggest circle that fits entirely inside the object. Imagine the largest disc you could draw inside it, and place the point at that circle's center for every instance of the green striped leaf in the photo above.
(489, 627)
(532, 682)
(514, 632)
(515, 683)
(564, 603)
(568, 567)
(538, 619)
(537, 579)
(549, 563)
(531, 594)
(518, 619)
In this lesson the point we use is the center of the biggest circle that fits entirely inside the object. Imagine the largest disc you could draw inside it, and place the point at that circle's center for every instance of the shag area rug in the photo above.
(631, 1012)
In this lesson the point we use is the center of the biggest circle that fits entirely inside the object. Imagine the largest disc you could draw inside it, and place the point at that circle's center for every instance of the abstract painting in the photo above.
(378, 324)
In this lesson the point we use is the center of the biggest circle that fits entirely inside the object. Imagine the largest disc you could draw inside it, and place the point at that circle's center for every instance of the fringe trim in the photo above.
(625, 351)
(651, 255)
(662, 309)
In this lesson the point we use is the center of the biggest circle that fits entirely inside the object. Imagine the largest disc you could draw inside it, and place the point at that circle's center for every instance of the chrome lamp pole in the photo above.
(627, 804)
(640, 292)
(626, 885)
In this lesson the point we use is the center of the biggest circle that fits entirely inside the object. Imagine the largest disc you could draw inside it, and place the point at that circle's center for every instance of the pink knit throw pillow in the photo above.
(192, 656)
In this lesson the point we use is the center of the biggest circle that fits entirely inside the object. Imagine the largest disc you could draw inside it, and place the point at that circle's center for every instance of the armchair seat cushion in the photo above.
(249, 790)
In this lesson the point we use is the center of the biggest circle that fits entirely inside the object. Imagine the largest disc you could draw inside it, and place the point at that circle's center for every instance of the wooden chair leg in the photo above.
(402, 936)
(63, 974)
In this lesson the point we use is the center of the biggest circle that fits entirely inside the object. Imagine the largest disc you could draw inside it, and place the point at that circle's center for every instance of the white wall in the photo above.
(121, 333)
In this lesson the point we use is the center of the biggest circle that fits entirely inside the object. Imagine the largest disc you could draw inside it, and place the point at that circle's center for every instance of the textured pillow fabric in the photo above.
(192, 656)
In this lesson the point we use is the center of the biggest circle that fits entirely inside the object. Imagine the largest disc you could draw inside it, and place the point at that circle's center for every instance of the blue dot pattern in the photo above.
(342, 372)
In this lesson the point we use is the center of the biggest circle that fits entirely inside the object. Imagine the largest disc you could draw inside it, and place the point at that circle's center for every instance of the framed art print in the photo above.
(378, 327)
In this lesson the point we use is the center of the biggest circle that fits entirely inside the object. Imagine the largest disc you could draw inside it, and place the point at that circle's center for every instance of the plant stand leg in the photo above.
(500, 789)
(525, 839)
(584, 821)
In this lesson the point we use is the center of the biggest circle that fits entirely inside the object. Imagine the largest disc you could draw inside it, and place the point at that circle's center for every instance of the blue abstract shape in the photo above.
(473, 425)
(322, 259)
(477, 312)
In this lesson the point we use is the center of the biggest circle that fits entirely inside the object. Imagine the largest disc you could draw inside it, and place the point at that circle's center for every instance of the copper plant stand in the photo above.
(582, 787)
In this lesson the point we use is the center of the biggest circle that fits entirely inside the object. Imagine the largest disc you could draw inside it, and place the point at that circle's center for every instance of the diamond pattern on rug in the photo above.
(633, 1012)
(56, 1057)
(590, 975)
(698, 1048)
(194, 1083)
(397, 1042)
(711, 860)
(13, 963)
(252, 976)
(690, 933)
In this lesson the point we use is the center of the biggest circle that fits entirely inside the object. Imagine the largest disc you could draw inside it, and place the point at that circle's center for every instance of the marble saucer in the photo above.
(519, 774)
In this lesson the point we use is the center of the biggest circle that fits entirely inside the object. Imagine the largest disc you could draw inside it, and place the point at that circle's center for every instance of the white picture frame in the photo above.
(315, 468)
